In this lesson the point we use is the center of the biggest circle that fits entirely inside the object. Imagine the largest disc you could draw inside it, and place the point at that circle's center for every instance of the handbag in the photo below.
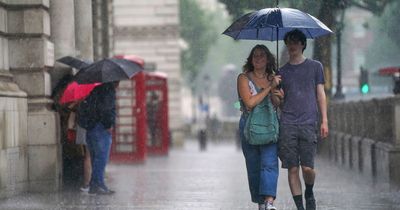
(262, 125)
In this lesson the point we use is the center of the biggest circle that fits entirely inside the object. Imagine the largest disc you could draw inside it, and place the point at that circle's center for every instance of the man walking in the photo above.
(303, 86)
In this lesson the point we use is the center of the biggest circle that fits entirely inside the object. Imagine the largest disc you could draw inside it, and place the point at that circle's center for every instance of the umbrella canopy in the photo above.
(389, 70)
(273, 23)
(76, 92)
(133, 58)
(74, 62)
(108, 70)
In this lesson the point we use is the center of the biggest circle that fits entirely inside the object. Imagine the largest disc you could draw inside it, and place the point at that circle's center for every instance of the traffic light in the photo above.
(364, 84)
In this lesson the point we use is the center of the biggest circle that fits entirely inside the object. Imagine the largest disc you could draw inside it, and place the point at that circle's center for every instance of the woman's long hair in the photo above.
(271, 65)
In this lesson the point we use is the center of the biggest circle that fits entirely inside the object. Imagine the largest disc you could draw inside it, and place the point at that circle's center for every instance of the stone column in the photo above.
(84, 29)
(62, 35)
(13, 118)
(31, 55)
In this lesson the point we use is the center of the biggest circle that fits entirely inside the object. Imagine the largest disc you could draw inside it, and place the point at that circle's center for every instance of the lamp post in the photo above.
(206, 83)
(340, 26)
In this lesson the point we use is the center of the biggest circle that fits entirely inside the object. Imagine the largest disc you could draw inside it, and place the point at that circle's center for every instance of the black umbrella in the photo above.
(74, 62)
(107, 70)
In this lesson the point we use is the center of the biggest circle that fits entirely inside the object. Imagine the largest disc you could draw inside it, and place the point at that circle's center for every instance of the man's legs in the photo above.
(295, 187)
(99, 142)
(307, 150)
(289, 147)
(309, 178)
(297, 146)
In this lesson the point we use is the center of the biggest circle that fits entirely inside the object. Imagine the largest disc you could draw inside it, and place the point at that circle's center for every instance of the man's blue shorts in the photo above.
(297, 145)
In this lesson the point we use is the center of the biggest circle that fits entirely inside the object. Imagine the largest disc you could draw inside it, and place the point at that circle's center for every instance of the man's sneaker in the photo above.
(85, 188)
(92, 190)
(102, 191)
(310, 203)
(270, 206)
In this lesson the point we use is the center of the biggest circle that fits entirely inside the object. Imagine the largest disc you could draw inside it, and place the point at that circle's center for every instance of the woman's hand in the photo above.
(277, 97)
(278, 93)
(276, 80)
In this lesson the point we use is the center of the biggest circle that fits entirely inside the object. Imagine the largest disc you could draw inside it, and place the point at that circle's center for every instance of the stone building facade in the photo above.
(102, 28)
(33, 35)
(150, 29)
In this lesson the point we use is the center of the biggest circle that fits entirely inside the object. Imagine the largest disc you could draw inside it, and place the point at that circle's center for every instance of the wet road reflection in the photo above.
(213, 179)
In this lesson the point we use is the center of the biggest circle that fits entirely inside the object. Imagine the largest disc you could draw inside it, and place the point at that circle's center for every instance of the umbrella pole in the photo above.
(277, 49)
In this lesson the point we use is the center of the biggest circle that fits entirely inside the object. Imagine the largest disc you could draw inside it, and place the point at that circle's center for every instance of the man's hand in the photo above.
(324, 130)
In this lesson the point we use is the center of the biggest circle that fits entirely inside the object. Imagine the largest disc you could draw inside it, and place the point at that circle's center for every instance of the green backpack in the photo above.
(262, 126)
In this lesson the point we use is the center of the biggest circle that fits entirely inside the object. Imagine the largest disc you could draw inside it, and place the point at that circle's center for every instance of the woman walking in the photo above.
(256, 84)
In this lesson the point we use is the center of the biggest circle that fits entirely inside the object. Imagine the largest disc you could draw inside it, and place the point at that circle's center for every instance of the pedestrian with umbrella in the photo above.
(73, 94)
(257, 86)
(303, 85)
(97, 113)
(275, 24)
(97, 116)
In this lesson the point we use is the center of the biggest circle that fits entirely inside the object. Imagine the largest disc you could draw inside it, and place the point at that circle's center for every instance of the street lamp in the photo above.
(206, 83)
(340, 26)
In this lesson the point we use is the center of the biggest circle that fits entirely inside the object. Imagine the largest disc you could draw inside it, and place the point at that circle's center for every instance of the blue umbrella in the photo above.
(273, 23)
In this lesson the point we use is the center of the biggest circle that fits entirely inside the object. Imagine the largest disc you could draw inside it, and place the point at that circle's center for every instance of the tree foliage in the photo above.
(385, 50)
(325, 10)
(389, 23)
(199, 33)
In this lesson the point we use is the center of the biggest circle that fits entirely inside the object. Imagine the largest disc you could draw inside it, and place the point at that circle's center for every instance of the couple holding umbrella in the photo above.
(298, 89)
(94, 90)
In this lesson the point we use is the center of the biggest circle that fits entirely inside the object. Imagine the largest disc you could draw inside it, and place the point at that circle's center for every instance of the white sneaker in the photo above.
(270, 206)
(85, 188)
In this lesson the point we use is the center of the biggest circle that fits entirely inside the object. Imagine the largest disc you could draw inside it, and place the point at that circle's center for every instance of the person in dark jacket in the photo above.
(97, 116)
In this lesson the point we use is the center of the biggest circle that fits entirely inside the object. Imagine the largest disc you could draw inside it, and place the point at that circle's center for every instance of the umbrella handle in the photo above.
(277, 48)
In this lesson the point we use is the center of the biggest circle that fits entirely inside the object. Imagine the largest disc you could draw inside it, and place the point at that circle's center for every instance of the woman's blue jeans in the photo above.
(99, 143)
(262, 167)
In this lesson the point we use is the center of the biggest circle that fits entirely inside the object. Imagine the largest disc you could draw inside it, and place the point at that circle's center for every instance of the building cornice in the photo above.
(24, 6)
(147, 31)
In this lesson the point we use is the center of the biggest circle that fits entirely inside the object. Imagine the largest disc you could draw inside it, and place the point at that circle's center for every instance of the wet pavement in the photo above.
(214, 179)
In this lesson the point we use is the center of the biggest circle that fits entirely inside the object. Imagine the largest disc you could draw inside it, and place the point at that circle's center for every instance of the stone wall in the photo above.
(33, 34)
(365, 137)
(22, 86)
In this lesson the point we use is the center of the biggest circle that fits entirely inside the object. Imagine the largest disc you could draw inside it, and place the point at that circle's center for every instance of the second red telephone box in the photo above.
(156, 89)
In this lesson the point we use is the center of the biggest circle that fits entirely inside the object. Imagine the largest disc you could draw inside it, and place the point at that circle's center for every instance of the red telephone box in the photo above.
(142, 118)
(156, 89)
(129, 139)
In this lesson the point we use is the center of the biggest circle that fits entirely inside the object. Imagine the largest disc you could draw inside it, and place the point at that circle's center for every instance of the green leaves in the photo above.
(198, 31)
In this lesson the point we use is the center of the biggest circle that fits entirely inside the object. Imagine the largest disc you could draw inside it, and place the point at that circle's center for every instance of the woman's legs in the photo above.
(269, 171)
(252, 158)
(87, 168)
